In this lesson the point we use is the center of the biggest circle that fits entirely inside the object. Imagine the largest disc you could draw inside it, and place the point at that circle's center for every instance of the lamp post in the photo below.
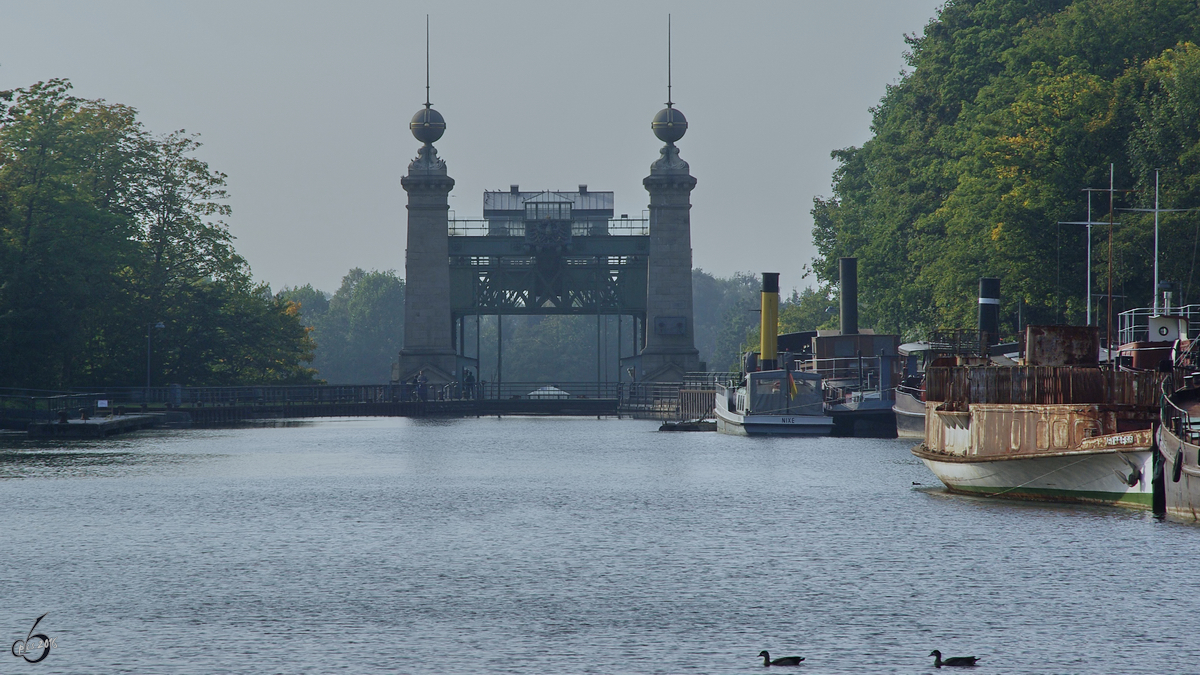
(149, 326)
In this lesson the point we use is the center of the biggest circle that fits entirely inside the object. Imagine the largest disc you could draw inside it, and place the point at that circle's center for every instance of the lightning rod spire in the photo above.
(427, 103)
(669, 104)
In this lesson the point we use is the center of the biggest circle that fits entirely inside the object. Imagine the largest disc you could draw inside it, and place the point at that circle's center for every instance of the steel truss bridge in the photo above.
(548, 266)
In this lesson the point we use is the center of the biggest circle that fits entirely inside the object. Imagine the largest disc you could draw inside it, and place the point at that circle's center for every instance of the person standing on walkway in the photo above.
(468, 384)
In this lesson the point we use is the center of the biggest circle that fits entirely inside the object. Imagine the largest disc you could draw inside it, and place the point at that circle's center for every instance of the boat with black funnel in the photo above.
(1055, 427)
(858, 367)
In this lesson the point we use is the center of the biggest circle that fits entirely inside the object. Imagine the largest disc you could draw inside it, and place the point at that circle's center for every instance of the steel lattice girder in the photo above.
(498, 275)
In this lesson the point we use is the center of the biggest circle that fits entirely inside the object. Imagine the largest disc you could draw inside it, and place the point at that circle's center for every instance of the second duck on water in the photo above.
(952, 661)
(781, 661)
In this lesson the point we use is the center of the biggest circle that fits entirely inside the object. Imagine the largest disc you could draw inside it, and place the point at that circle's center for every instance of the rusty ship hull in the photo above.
(1117, 475)
(1062, 432)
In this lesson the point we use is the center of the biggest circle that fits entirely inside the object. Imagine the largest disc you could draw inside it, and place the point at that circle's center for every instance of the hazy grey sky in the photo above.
(305, 105)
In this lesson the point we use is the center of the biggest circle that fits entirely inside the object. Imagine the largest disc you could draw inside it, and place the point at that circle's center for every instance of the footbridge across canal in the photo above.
(221, 406)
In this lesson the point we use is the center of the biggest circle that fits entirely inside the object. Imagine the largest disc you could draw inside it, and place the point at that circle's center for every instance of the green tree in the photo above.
(106, 230)
(359, 331)
(1166, 137)
(1012, 108)
(723, 310)
(63, 252)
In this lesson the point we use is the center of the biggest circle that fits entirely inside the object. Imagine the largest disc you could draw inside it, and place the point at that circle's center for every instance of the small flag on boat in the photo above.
(791, 386)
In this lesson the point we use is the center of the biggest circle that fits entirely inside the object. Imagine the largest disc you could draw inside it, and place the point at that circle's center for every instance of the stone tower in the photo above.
(670, 350)
(428, 342)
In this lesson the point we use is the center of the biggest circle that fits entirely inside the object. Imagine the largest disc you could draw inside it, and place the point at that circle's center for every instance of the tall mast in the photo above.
(1111, 170)
(1089, 259)
(1154, 291)
(1157, 210)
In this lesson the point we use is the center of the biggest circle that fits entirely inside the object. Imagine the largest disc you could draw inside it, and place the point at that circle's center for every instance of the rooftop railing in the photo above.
(1135, 323)
(481, 227)
(1041, 385)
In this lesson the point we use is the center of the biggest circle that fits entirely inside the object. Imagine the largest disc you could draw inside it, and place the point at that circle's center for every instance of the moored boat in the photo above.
(1161, 338)
(1057, 428)
(1110, 469)
(773, 402)
(1179, 435)
(909, 408)
(771, 397)
(858, 367)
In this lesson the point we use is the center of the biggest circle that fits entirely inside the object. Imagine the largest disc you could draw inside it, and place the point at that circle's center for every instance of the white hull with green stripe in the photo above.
(1109, 476)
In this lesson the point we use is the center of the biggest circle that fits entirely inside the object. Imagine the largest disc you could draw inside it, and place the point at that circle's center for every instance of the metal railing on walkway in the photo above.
(1134, 324)
(675, 400)
(480, 227)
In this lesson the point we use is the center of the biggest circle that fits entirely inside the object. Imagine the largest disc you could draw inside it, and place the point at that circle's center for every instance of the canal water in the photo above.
(522, 545)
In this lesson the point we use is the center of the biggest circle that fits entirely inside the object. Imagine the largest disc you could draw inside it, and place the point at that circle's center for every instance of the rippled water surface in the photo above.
(563, 546)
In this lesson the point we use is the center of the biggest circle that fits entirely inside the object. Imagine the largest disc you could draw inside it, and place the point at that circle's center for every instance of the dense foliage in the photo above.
(1012, 108)
(106, 231)
(359, 330)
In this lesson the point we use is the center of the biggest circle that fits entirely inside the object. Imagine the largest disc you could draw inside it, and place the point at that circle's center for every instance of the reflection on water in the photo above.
(21, 457)
(521, 545)
(64, 464)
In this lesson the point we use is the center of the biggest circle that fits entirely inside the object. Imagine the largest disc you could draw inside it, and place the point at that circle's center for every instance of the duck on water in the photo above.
(781, 661)
(952, 661)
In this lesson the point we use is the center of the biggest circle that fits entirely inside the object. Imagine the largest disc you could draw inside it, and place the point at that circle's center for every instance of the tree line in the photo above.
(111, 238)
(358, 329)
(1010, 109)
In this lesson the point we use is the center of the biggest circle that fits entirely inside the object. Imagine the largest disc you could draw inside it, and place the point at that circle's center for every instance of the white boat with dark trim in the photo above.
(1109, 469)
(1161, 338)
(910, 393)
(1058, 428)
(773, 402)
(1179, 435)
(770, 399)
